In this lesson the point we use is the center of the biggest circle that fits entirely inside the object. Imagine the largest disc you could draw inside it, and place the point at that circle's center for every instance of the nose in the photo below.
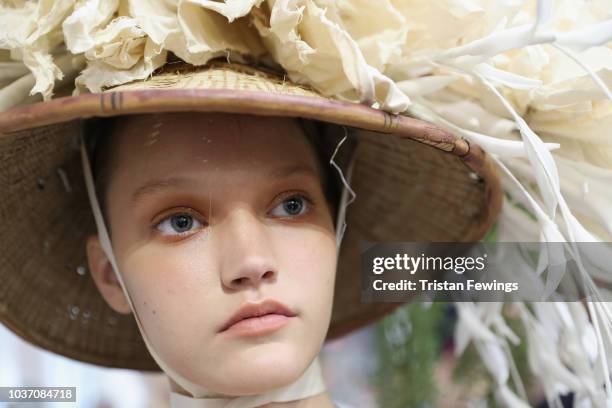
(247, 255)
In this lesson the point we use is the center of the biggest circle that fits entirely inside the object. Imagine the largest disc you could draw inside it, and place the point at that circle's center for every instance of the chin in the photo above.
(264, 367)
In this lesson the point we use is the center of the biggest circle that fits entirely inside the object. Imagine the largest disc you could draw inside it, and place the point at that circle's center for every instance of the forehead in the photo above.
(208, 149)
(165, 144)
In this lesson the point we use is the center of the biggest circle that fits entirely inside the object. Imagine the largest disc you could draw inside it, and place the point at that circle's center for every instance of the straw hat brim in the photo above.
(414, 182)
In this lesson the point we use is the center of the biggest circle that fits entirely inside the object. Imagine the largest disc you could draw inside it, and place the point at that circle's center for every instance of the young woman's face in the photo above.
(210, 212)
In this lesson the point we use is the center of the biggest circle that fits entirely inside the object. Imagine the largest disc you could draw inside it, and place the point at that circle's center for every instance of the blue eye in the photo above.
(291, 207)
(180, 223)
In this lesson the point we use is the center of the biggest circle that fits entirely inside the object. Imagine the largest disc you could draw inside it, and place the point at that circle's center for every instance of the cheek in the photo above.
(168, 286)
(166, 273)
(309, 262)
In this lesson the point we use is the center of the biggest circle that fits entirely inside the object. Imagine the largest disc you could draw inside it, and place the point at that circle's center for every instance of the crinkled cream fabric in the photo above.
(528, 80)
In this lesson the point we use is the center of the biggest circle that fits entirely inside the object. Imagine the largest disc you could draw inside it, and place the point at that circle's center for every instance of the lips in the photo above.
(251, 310)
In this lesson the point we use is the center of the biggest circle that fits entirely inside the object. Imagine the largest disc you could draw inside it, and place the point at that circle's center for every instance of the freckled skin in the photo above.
(238, 250)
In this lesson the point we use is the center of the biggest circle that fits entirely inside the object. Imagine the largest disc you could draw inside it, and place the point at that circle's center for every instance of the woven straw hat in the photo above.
(413, 182)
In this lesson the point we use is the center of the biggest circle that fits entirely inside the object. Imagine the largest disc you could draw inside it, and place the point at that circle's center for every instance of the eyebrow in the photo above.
(156, 186)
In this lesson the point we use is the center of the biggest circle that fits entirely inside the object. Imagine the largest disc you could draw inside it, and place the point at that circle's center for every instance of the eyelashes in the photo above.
(183, 222)
(294, 206)
(179, 221)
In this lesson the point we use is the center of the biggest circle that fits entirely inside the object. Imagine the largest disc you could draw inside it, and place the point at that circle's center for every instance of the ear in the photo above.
(104, 276)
